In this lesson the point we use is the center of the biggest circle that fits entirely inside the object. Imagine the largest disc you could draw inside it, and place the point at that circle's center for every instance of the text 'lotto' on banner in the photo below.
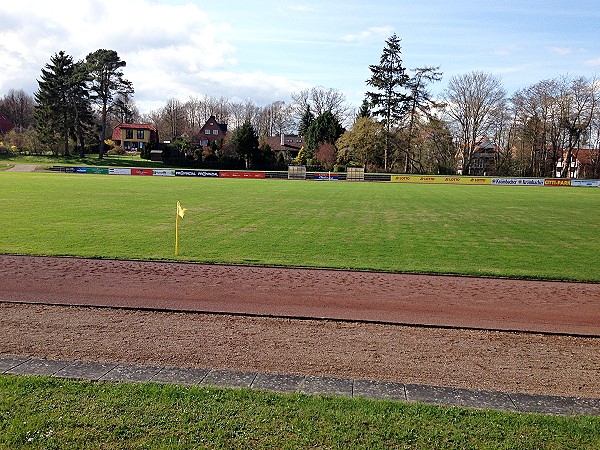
(440, 179)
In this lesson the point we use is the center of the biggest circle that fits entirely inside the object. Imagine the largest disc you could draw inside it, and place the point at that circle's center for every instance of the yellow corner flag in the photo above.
(180, 213)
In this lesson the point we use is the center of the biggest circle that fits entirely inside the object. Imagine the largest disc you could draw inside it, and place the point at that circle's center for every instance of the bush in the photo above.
(145, 152)
(116, 151)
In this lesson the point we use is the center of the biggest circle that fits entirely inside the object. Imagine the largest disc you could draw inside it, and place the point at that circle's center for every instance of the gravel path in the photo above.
(23, 168)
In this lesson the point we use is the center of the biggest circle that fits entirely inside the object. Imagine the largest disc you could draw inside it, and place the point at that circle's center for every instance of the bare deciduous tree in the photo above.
(473, 102)
(274, 119)
(321, 100)
(578, 105)
(17, 106)
(173, 115)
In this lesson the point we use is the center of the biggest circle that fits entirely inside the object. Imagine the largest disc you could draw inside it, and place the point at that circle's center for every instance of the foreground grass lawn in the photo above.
(38, 412)
(477, 230)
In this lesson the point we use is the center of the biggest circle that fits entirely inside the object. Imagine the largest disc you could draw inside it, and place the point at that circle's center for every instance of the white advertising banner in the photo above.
(119, 171)
(163, 173)
(585, 183)
(518, 181)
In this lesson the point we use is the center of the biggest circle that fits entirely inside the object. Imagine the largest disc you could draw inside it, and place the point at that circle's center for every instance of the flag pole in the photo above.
(176, 234)
(180, 212)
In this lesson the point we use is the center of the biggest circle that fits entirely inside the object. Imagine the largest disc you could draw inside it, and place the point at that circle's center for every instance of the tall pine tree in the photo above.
(108, 84)
(364, 110)
(389, 79)
(63, 108)
(53, 109)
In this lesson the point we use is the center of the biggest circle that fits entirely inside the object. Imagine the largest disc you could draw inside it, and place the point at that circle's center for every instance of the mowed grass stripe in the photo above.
(473, 230)
(39, 412)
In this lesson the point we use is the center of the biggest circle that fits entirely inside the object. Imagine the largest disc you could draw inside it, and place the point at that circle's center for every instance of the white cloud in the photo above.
(506, 50)
(171, 50)
(369, 34)
(593, 62)
(562, 51)
(301, 8)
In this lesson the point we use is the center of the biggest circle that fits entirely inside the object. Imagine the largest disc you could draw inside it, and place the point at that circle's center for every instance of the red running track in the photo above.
(447, 301)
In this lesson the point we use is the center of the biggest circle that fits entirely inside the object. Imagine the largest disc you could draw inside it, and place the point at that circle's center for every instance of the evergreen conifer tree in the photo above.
(244, 141)
(53, 109)
(305, 122)
(389, 78)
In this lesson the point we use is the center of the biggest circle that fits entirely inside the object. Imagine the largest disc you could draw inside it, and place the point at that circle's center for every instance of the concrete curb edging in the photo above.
(312, 385)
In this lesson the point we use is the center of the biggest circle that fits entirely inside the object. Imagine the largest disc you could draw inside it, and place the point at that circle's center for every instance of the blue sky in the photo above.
(265, 50)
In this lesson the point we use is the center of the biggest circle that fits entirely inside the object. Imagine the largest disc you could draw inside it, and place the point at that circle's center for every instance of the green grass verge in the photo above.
(38, 412)
(44, 161)
(475, 230)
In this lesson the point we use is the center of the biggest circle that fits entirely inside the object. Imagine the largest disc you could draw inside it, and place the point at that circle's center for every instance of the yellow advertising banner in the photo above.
(557, 182)
(440, 179)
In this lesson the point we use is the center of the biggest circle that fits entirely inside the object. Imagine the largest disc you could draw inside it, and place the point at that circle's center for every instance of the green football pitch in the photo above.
(532, 232)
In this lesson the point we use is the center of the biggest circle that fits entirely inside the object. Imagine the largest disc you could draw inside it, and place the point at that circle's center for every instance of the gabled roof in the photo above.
(290, 142)
(213, 119)
(585, 155)
(137, 126)
(211, 123)
(485, 146)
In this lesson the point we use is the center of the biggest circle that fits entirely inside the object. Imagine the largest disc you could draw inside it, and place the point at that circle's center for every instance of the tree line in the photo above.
(400, 126)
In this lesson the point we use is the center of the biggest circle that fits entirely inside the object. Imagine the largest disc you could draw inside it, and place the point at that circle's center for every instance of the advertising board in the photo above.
(518, 181)
(240, 174)
(326, 177)
(196, 173)
(557, 182)
(585, 183)
(145, 172)
(440, 179)
(163, 173)
(97, 170)
(119, 171)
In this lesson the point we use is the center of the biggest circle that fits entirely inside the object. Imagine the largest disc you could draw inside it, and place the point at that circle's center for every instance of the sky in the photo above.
(264, 51)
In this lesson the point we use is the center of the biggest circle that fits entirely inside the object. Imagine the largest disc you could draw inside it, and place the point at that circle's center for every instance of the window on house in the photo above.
(127, 145)
(289, 140)
(215, 131)
(140, 134)
(206, 131)
(129, 134)
(141, 145)
(299, 141)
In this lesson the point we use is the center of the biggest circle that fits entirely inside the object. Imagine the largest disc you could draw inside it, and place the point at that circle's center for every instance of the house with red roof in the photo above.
(287, 144)
(585, 163)
(134, 136)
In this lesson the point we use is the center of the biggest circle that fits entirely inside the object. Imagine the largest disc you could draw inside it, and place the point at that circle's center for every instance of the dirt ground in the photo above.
(513, 361)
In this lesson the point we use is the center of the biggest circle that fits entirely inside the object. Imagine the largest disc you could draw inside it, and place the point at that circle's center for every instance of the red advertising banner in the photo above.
(233, 174)
(142, 172)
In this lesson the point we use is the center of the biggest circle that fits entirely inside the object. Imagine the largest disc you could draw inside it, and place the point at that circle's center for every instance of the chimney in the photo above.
(282, 138)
